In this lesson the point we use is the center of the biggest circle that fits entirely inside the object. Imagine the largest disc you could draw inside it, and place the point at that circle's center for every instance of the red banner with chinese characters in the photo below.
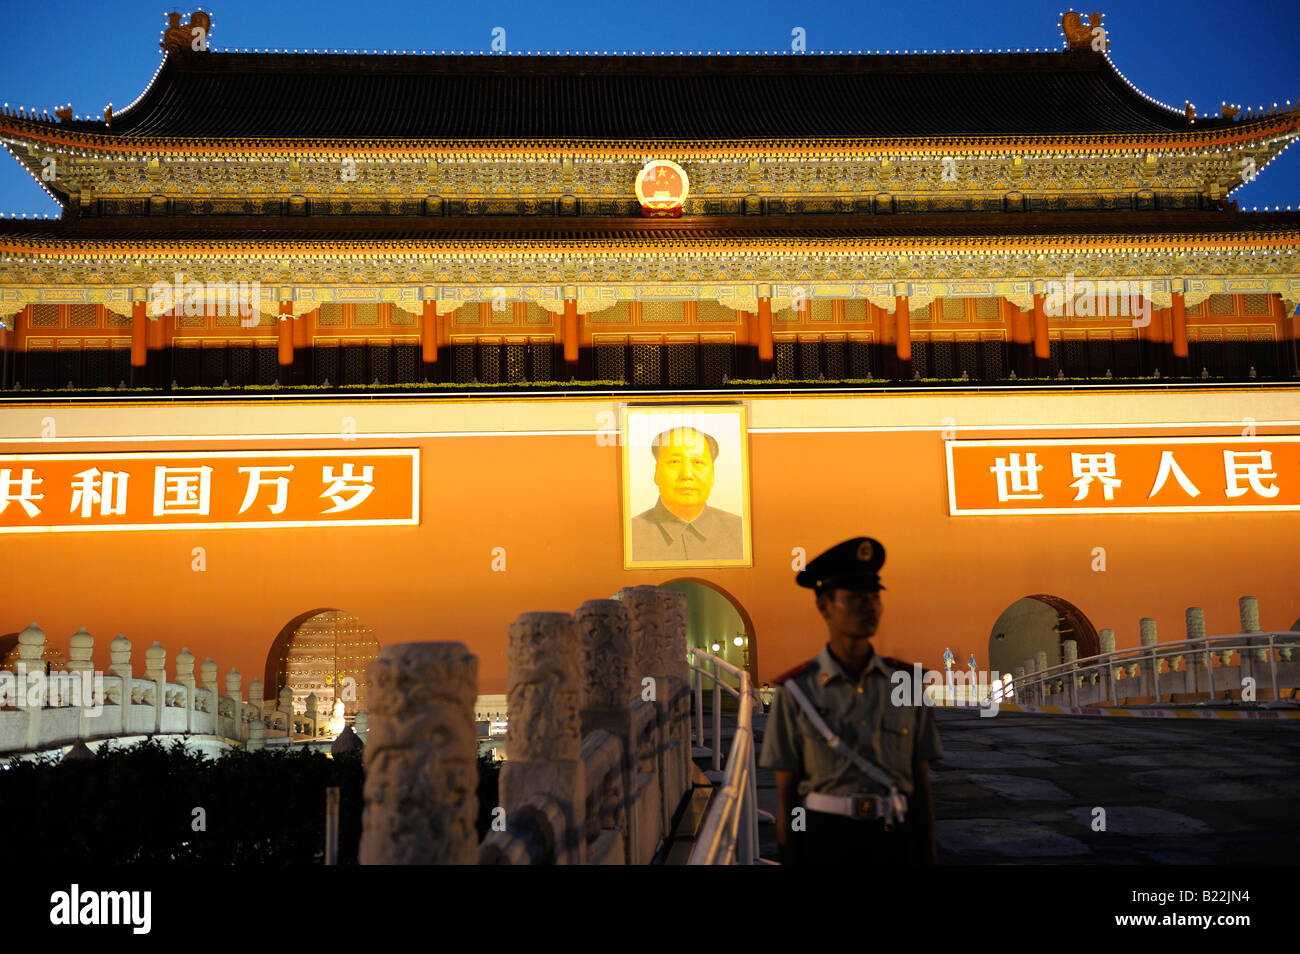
(217, 489)
(1124, 475)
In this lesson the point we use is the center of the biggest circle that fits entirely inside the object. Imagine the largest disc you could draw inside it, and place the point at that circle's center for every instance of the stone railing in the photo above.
(598, 744)
(1250, 666)
(42, 713)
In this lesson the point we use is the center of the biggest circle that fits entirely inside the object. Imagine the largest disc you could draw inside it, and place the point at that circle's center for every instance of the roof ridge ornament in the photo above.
(1081, 36)
(192, 35)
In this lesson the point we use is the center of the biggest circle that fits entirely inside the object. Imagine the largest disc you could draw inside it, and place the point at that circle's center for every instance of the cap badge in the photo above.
(864, 550)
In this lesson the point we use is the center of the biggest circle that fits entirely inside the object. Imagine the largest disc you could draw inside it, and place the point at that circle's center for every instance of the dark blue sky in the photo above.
(91, 53)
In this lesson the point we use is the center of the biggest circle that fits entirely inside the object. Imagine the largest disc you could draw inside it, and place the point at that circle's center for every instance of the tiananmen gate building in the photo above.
(370, 348)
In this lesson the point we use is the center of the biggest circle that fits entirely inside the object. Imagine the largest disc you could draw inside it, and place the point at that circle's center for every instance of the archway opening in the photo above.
(715, 618)
(323, 651)
(1039, 623)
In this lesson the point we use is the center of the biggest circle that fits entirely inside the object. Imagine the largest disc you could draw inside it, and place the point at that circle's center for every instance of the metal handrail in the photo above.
(1240, 643)
(729, 834)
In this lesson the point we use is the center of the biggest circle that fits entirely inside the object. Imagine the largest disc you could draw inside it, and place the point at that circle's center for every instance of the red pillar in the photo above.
(571, 336)
(903, 335)
(1042, 347)
(429, 337)
(765, 329)
(285, 353)
(139, 343)
(1179, 311)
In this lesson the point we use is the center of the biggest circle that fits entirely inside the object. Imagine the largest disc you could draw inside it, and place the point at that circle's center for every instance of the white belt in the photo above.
(859, 806)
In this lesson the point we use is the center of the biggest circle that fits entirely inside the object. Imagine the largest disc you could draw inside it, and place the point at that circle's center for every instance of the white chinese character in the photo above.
(109, 492)
(1090, 467)
(1170, 466)
(256, 480)
(181, 490)
(25, 494)
(360, 486)
(1250, 471)
(1024, 477)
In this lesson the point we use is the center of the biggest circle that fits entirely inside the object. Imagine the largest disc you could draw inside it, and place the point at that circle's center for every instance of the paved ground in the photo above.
(1019, 788)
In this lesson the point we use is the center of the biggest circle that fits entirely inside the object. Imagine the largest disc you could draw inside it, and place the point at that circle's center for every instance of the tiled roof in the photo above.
(651, 231)
(611, 98)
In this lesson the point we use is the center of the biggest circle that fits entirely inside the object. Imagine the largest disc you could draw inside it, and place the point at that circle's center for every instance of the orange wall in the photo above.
(552, 500)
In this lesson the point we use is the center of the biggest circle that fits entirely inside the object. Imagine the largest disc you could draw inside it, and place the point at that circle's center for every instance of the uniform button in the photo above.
(859, 690)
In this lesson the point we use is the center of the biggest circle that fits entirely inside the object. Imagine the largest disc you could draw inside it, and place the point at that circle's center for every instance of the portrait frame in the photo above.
(727, 500)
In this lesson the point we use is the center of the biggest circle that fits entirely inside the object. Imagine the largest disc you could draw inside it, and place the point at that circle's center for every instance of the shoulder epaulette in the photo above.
(893, 663)
(797, 670)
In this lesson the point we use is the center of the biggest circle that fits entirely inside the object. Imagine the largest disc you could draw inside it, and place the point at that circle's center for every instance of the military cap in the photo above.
(854, 564)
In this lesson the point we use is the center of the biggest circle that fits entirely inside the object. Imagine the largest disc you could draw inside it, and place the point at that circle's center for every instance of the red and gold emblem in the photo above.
(661, 188)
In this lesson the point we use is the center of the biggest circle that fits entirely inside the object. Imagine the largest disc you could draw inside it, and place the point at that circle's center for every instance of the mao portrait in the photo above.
(686, 488)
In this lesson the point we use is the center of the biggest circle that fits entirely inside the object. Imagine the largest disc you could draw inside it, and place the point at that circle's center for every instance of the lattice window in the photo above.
(327, 365)
(921, 316)
(1254, 305)
(785, 356)
(187, 367)
(241, 364)
(535, 314)
(330, 315)
(462, 363)
(943, 359)
(366, 315)
(489, 363)
(266, 365)
(120, 360)
(1211, 356)
(968, 358)
(1100, 356)
(81, 316)
(1235, 355)
(98, 372)
(540, 361)
(1054, 356)
(381, 364)
(681, 365)
(663, 312)
(1222, 305)
(40, 370)
(993, 356)
(407, 365)
(859, 360)
(214, 366)
(810, 360)
(953, 309)
(1127, 359)
(714, 312)
(819, 309)
(834, 360)
(516, 363)
(113, 320)
(611, 362)
(715, 364)
(619, 314)
(921, 358)
(1075, 358)
(400, 318)
(228, 321)
(1263, 355)
(354, 365)
(986, 309)
(191, 321)
(645, 365)
(68, 368)
(44, 316)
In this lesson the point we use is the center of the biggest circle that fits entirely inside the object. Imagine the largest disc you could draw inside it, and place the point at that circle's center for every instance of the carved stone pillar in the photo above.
(607, 693)
(421, 798)
(544, 739)
(81, 646)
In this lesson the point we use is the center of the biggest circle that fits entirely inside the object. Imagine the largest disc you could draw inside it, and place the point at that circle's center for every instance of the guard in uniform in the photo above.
(851, 766)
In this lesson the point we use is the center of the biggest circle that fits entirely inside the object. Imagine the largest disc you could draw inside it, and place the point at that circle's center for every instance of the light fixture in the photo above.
(716, 647)
(739, 640)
